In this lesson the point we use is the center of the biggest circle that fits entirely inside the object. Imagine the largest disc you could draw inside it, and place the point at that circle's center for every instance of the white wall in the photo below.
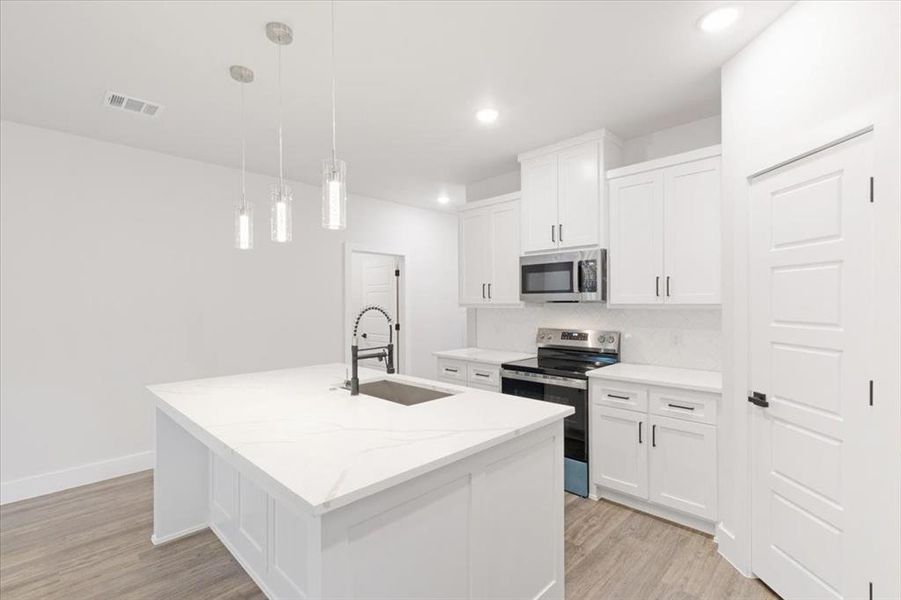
(681, 138)
(118, 271)
(821, 71)
(505, 183)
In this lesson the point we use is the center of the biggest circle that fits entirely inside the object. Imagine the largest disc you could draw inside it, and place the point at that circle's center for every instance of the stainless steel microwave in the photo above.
(576, 276)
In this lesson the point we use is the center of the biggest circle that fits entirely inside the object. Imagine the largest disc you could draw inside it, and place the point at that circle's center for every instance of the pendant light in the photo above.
(334, 171)
(281, 196)
(243, 208)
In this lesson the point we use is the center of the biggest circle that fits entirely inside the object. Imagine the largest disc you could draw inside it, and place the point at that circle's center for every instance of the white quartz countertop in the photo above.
(688, 379)
(328, 448)
(493, 357)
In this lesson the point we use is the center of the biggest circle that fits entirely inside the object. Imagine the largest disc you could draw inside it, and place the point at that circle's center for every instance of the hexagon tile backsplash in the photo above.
(674, 337)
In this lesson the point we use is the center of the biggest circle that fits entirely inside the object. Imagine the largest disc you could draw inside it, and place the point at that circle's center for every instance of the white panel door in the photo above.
(692, 232)
(620, 450)
(475, 255)
(636, 239)
(505, 231)
(539, 204)
(682, 466)
(578, 196)
(810, 310)
(376, 286)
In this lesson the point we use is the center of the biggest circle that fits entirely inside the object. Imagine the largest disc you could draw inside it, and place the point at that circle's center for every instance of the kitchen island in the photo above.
(320, 494)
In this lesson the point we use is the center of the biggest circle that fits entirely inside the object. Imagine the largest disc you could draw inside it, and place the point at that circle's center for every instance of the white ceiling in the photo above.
(410, 77)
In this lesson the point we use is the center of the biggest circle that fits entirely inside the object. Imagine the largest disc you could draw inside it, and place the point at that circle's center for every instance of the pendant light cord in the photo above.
(281, 184)
(243, 153)
(334, 137)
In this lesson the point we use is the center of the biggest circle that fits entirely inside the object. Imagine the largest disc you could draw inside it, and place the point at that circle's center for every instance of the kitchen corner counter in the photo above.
(485, 356)
(672, 377)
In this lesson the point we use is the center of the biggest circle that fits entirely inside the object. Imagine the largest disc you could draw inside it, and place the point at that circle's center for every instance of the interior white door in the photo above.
(578, 197)
(682, 466)
(375, 285)
(505, 230)
(636, 239)
(539, 204)
(475, 255)
(811, 284)
(691, 193)
(620, 450)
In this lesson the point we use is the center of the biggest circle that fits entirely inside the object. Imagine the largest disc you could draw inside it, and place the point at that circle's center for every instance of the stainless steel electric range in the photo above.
(560, 374)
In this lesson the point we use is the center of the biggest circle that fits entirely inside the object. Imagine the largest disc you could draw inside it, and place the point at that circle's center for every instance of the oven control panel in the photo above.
(587, 339)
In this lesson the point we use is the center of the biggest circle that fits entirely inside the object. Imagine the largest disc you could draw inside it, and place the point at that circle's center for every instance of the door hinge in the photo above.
(397, 272)
(872, 185)
(758, 399)
(871, 392)
(397, 327)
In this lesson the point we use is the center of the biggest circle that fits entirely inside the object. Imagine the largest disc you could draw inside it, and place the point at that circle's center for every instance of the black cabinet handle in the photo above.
(560, 230)
(654, 436)
(483, 291)
(618, 397)
(553, 239)
(680, 406)
(449, 370)
(482, 375)
(489, 291)
(667, 286)
(639, 432)
(657, 286)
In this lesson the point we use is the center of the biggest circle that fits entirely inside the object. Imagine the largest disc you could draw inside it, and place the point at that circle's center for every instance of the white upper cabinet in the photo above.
(692, 232)
(562, 195)
(578, 196)
(665, 231)
(636, 239)
(539, 204)
(489, 252)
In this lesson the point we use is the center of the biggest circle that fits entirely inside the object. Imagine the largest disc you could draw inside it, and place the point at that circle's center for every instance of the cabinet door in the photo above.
(475, 255)
(636, 239)
(692, 232)
(619, 450)
(578, 197)
(505, 231)
(683, 466)
(539, 204)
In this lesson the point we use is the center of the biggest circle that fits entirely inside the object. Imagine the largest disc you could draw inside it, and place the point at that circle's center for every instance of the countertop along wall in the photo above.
(118, 270)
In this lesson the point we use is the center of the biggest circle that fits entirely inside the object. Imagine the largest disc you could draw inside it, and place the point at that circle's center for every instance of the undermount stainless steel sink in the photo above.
(401, 393)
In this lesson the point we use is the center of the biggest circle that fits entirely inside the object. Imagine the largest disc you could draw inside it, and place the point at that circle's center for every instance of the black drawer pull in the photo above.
(449, 370)
(482, 375)
(680, 406)
(618, 397)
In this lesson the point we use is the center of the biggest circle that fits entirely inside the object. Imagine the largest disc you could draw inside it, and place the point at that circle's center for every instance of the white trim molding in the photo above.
(57, 481)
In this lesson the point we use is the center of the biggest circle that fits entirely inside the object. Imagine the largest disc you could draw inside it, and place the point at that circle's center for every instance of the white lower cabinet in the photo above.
(483, 376)
(661, 452)
(619, 450)
(682, 466)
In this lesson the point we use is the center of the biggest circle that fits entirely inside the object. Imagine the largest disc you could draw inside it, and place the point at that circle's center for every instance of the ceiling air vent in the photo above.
(132, 104)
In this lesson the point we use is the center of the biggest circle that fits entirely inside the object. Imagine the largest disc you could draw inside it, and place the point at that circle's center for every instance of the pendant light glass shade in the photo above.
(334, 194)
(243, 224)
(243, 208)
(281, 218)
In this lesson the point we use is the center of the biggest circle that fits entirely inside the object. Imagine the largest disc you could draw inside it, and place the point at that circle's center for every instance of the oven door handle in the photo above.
(578, 384)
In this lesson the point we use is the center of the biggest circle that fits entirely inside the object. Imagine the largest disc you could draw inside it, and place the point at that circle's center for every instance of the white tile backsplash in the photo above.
(673, 337)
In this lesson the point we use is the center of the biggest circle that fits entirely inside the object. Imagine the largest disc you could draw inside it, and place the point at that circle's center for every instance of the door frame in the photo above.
(403, 335)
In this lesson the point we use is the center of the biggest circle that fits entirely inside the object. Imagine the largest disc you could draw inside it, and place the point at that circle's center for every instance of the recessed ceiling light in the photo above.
(719, 19)
(443, 199)
(487, 115)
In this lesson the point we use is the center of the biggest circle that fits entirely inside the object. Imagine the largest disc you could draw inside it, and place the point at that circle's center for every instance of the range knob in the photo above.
(610, 339)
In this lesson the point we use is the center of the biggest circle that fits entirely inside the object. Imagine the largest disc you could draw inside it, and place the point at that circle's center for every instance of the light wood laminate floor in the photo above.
(94, 542)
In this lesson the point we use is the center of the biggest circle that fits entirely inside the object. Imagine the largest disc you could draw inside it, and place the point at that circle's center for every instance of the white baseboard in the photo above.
(727, 546)
(165, 539)
(55, 481)
(662, 512)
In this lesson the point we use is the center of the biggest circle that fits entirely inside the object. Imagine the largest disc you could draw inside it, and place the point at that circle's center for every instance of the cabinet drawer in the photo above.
(484, 375)
(620, 395)
(452, 370)
(683, 404)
